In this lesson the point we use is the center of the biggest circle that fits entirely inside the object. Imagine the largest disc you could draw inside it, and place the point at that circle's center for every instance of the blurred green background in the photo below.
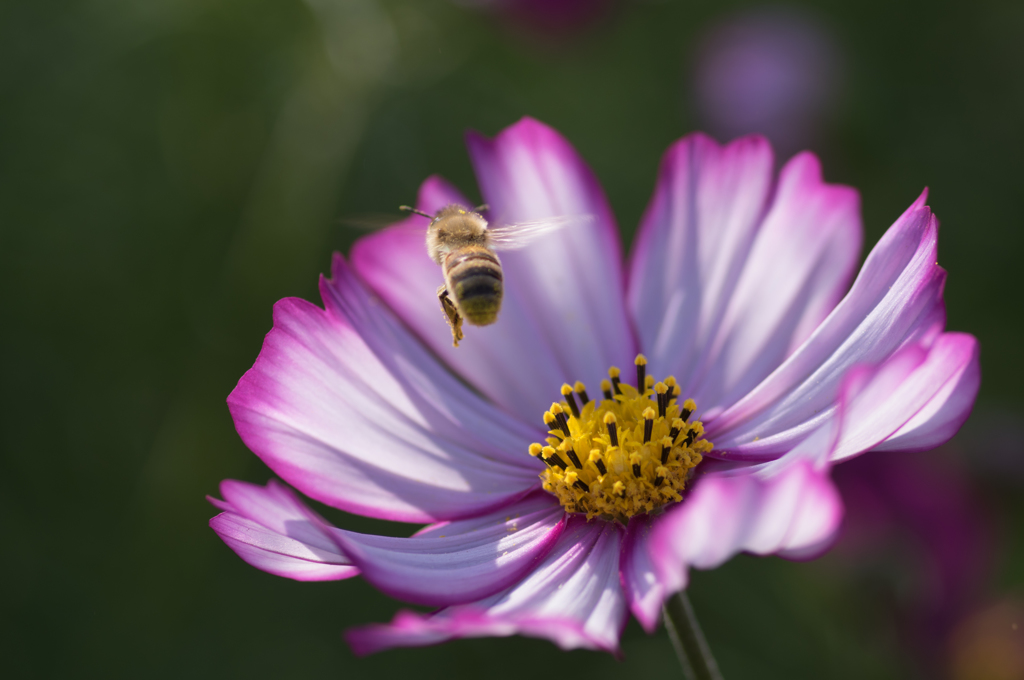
(170, 168)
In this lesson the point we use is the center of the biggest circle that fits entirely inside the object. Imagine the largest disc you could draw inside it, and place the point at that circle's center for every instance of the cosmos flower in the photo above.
(558, 497)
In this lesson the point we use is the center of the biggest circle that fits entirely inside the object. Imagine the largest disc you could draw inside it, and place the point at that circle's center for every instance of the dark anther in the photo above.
(658, 481)
(573, 457)
(600, 466)
(665, 450)
(563, 423)
(615, 385)
(557, 460)
(662, 403)
(641, 377)
(690, 437)
(685, 415)
(673, 433)
(613, 434)
(582, 391)
(581, 485)
(606, 388)
(636, 469)
(648, 429)
(572, 404)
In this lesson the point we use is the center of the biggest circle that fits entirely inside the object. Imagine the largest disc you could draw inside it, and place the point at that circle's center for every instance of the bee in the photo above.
(458, 239)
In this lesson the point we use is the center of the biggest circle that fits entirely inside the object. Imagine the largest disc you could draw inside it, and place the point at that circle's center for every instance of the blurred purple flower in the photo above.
(738, 286)
(773, 72)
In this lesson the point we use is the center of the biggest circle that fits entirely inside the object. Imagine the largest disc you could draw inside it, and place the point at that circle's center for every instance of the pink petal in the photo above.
(802, 261)
(349, 408)
(459, 561)
(562, 316)
(793, 513)
(693, 242)
(641, 582)
(274, 531)
(394, 262)
(572, 598)
(937, 383)
(954, 374)
(896, 299)
(570, 283)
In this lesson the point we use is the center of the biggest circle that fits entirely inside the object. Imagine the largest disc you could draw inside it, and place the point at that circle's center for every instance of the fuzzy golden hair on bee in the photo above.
(460, 241)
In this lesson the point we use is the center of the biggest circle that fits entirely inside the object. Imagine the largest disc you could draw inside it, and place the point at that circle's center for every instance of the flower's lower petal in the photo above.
(802, 261)
(459, 561)
(692, 245)
(794, 513)
(349, 408)
(274, 531)
(896, 300)
(644, 589)
(572, 598)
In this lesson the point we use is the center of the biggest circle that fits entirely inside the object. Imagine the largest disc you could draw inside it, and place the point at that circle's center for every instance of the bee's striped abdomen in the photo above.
(473, 277)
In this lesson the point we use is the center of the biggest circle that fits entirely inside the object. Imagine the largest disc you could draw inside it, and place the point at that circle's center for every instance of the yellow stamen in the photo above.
(624, 455)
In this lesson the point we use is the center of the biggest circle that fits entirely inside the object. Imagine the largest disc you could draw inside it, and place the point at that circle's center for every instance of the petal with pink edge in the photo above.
(274, 531)
(572, 598)
(930, 389)
(953, 372)
(394, 262)
(645, 592)
(694, 240)
(459, 561)
(802, 261)
(896, 299)
(562, 316)
(349, 408)
(793, 513)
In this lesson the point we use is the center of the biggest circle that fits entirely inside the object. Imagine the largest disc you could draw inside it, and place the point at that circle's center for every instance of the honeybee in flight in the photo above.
(459, 240)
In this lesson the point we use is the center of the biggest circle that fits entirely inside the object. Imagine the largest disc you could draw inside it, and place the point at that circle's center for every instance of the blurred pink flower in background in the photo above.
(774, 72)
(738, 286)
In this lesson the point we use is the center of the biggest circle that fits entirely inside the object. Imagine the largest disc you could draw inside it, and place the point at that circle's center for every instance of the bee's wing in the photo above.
(520, 234)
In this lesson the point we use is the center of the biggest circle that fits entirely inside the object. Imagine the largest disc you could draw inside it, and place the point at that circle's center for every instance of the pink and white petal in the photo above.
(461, 561)
(508, 362)
(802, 261)
(349, 408)
(693, 242)
(563, 293)
(272, 530)
(896, 300)
(572, 598)
(793, 513)
(645, 592)
(954, 373)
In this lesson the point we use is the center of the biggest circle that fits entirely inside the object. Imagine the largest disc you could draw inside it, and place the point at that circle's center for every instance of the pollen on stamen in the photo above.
(614, 373)
(641, 372)
(629, 453)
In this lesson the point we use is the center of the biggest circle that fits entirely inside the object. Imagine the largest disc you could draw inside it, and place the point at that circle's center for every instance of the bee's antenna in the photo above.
(414, 210)
(482, 207)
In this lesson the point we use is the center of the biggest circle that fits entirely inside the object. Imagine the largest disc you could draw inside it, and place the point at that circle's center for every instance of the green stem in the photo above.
(688, 640)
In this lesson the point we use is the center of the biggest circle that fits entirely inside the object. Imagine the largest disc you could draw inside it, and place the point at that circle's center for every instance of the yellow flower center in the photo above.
(626, 454)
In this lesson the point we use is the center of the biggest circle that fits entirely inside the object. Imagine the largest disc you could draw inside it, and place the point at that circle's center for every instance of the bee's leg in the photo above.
(451, 314)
